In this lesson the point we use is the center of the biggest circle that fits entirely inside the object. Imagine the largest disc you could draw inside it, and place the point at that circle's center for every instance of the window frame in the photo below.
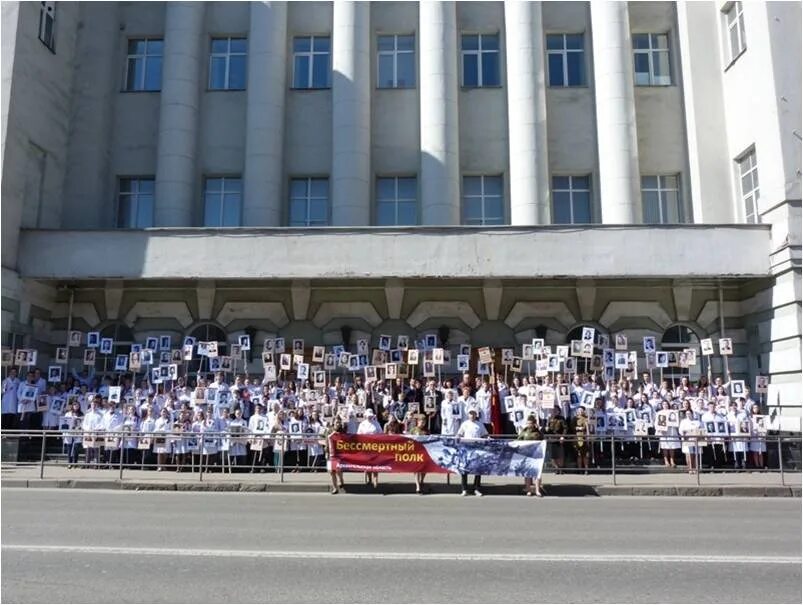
(228, 55)
(44, 9)
(129, 57)
(649, 51)
(311, 67)
(222, 193)
(308, 198)
(135, 196)
(479, 52)
(572, 190)
(564, 54)
(482, 197)
(737, 9)
(753, 194)
(661, 190)
(396, 200)
(395, 55)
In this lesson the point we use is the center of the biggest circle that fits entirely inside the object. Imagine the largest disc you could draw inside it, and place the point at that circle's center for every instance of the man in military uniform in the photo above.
(531, 432)
(581, 430)
(556, 428)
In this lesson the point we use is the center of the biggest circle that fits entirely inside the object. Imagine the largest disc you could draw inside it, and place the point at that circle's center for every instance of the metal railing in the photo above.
(206, 452)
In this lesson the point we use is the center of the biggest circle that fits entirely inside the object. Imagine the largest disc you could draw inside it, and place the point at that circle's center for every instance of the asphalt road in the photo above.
(109, 546)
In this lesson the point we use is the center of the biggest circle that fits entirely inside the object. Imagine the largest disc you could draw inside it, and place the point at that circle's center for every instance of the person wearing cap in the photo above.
(420, 428)
(370, 426)
(531, 432)
(471, 429)
(556, 427)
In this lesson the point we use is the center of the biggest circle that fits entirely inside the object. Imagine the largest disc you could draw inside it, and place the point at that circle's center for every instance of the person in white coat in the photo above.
(258, 426)
(113, 420)
(452, 414)
(162, 446)
(9, 406)
(370, 426)
(72, 436)
(236, 427)
(739, 432)
(690, 429)
(147, 425)
(92, 428)
(130, 429)
(471, 429)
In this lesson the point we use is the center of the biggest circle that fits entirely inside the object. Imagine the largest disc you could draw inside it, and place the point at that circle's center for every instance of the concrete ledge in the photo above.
(555, 491)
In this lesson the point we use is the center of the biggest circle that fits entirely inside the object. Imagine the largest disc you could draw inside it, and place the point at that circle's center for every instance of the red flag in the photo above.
(496, 405)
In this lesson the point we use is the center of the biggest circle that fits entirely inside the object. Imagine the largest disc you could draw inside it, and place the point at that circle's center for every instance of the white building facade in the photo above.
(493, 171)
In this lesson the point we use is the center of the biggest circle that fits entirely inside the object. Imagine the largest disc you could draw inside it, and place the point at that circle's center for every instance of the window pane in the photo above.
(490, 42)
(582, 207)
(470, 42)
(384, 43)
(214, 184)
(233, 185)
(385, 71)
(641, 41)
(136, 47)
(554, 42)
(472, 209)
(298, 188)
(145, 186)
(660, 64)
(385, 214)
(560, 182)
(581, 182)
(741, 33)
(493, 185)
(298, 212)
(405, 70)
(220, 45)
(124, 211)
(561, 213)
(577, 69)
(320, 71)
(556, 70)
(490, 69)
(301, 72)
(239, 45)
(319, 188)
(470, 70)
(144, 211)
(641, 63)
(320, 44)
(217, 73)
(494, 212)
(472, 185)
(231, 210)
(574, 41)
(407, 189)
(405, 43)
(153, 73)
(649, 182)
(747, 183)
(734, 38)
(212, 210)
(318, 210)
(301, 44)
(651, 211)
(134, 74)
(669, 182)
(154, 47)
(385, 189)
(237, 72)
(671, 207)
(660, 41)
(407, 213)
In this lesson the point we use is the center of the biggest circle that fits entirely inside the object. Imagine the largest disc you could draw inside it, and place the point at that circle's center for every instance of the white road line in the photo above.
(404, 556)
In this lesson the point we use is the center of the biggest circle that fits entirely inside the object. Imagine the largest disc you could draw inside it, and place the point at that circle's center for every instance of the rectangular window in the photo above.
(651, 59)
(223, 202)
(47, 24)
(660, 197)
(143, 65)
(135, 203)
(571, 200)
(480, 56)
(396, 201)
(227, 63)
(734, 22)
(566, 59)
(309, 202)
(483, 200)
(748, 183)
(395, 61)
(311, 62)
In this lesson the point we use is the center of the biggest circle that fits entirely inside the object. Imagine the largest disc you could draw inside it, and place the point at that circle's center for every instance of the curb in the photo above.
(564, 490)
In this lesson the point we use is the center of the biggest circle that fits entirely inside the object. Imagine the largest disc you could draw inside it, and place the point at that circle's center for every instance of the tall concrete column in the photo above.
(179, 112)
(616, 113)
(264, 118)
(351, 114)
(440, 151)
(526, 109)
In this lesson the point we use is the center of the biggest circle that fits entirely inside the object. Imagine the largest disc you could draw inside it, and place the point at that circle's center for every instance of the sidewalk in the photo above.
(679, 483)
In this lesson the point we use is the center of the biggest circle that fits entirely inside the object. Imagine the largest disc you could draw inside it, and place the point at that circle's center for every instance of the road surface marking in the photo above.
(407, 556)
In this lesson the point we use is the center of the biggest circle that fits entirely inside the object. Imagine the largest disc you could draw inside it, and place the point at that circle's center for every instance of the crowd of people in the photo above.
(261, 425)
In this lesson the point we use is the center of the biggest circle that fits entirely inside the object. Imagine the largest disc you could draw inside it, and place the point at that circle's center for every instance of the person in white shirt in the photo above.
(471, 429)
(9, 407)
(370, 426)
(113, 420)
(92, 426)
(484, 405)
(162, 445)
(452, 414)
(714, 452)
(689, 429)
(258, 426)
